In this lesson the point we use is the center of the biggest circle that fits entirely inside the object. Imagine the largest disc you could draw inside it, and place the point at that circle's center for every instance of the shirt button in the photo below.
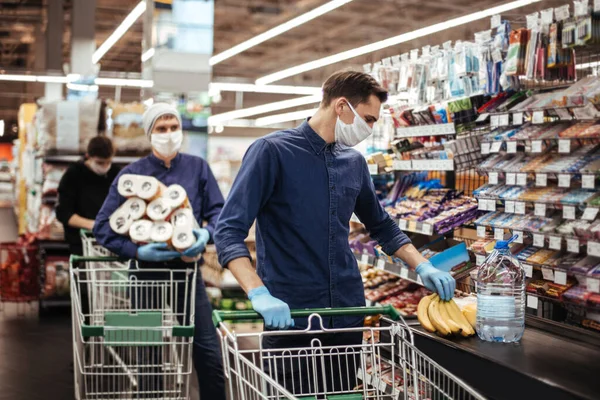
(333, 187)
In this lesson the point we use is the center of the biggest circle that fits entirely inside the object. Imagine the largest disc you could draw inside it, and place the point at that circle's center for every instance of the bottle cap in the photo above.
(503, 244)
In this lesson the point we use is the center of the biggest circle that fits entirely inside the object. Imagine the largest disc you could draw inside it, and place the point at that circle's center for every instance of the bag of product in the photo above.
(125, 127)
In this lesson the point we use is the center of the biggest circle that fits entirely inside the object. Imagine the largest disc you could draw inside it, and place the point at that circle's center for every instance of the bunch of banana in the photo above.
(443, 317)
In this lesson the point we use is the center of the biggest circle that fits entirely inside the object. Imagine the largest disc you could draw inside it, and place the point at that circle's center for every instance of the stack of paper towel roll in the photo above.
(154, 212)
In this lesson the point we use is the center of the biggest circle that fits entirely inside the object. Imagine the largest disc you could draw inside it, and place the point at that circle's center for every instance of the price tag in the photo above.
(381, 263)
(548, 274)
(540, 210)
(511, 147)
(564, 180)
(519, 236)
(427, 229)
(403, 224)
(479, 259)
(593, 249)
(404, 273)
(482, 117)
(538, 240)
(541, 180)
(538, 117)
(364, 259)
(555, 242)
(519, 208)
(496, 56)
(509, 207)
(482, 204)
(560, 277)
(491, 205)
(564, 146)
(563, 114)
(503, 120)
(522, 179)
(593, 285)
(569, 212)
(495, 147)
(493, 178)
(499, 234)
(518, 118)
(590, 214)
(562, 13)
(532, 302)
(528, 270)
(496, 21)
(494, 121)
(588, 181)
(485, 148)
(573, 246)
(481, 231)
(373, 169)
(511, 178)
(536, 146)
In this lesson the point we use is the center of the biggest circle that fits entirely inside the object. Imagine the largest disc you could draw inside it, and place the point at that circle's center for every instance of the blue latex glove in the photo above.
(436, 280)
(202, 237)
(275, 312)
(157, 252)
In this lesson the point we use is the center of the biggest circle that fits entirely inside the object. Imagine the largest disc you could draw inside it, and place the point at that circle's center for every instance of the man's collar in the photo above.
(157, 161)
(317, 143)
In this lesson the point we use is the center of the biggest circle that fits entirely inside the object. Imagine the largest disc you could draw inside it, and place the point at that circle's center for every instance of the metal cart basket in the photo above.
(137, 348)
(385, 365)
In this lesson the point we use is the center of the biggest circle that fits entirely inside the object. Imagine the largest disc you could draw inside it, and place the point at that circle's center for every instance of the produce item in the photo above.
(128, 185)
(159, 209)
(423, 313)
(183, 238)
(120, 221)
(443, 317)
(161, 231)
(457, 316)
(436, 318)
(176, 196)
(470, 313)
(140, 231)
(454, 328)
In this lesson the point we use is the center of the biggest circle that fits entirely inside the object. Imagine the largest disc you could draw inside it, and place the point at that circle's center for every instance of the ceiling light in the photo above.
(278, 30)
(18, 78)
(148, 54)
(264, 108)
(51, 79)
(119, 32)
(139, 83)
(285, 117)
(588, 65)
(393, 41)
(1, 127)
(249, 87)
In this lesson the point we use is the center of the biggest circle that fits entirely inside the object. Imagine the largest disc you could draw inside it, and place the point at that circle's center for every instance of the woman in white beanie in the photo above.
(162, 124)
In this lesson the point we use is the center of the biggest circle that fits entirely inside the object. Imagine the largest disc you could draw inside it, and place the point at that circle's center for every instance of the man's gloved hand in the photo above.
(275, 312)
(157, 252)
(437, 281)
(202, 237)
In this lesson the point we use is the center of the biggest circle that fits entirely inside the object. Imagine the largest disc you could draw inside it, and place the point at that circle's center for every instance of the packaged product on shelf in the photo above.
(125, 123)
(140, 231)
(67, 126)
(52, 176)
(49, 227)
(162, 232)
(56, 281)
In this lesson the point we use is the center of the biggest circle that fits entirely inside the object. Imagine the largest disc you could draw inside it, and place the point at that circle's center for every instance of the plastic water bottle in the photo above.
(501, 296)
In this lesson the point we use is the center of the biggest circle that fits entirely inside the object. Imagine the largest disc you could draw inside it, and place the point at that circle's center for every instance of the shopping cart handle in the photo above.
(82, 259)
(220, 316)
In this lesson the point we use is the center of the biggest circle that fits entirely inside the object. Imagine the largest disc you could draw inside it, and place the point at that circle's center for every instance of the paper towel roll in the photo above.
(184, 217)
(128, 185)
(120, 221)
(149, 188)
(136, 207)
(183, 238)
(161, 231)
(140, 231)
(159, 209)
(176, 196)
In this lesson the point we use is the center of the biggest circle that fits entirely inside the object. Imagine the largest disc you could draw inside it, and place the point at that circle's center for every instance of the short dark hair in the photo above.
(355, 86)
(101, 147)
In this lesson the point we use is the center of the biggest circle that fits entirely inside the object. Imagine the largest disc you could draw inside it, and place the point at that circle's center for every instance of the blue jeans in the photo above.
(206, 346)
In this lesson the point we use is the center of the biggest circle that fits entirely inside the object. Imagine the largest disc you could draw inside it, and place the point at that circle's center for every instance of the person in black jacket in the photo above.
(83, 188)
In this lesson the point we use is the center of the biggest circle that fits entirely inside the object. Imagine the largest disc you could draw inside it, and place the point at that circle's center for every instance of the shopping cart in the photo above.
(386, 365)
(140, 347)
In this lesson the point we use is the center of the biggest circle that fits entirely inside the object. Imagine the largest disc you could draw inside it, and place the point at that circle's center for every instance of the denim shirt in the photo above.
(302, 193)
(191, 172)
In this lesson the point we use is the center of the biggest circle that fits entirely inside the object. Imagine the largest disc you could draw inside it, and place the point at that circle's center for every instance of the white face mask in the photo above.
(354, 133)
(167, 144)
(99, 169)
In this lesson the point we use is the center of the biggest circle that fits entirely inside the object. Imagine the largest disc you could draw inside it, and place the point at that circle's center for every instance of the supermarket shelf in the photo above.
(426, 130)
(53, 245)
(55, 302)
(416, 227)
(531, 204)
(396, 269)
(50, 199)
(77, 157)
(559, 275)
(414, 165)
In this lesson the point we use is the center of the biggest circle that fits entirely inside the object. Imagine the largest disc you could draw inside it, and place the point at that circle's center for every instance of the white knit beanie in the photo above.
(156, 111)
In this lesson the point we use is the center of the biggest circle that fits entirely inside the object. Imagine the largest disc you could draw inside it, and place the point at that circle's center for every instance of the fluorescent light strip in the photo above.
(148, 54)
(588, 65)
(249, 87)
(119, 32)
(18, 78)
(278, 30)
(139, 83)
(393, 41)
(285, 117)
(262, 109)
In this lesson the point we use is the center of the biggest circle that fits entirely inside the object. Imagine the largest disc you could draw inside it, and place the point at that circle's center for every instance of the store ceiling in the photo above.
(351, 25)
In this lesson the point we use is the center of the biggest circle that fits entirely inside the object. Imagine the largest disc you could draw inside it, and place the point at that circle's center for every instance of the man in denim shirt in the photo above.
(302, 186)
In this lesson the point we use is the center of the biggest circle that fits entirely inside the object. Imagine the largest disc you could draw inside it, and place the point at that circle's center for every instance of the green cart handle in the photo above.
(220, 316)
(82, 259)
